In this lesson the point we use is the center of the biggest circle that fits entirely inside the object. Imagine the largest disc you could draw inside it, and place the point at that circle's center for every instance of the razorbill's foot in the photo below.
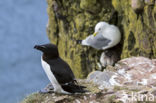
(48, 89)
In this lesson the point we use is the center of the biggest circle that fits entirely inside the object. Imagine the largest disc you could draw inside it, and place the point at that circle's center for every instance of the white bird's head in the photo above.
(100, 27)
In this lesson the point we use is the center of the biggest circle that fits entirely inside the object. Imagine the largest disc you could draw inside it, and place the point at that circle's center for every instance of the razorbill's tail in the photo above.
(73, 88)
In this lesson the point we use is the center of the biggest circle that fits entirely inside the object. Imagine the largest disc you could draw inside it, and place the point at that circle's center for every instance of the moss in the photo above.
(80, 22)
(90, 5)
(117, 88)
(54, 97)
(138, 29)
(79, 19)
(116, 4)
(131, 41)
(35, 98)
(111, 99)
(137, 5)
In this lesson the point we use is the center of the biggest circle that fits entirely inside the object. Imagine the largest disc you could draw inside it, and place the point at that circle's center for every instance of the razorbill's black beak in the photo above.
(40, 47)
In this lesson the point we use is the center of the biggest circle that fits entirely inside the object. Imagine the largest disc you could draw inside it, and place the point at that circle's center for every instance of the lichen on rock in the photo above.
(138, 21)
(74, 20)
(129, 79)
(132, 71)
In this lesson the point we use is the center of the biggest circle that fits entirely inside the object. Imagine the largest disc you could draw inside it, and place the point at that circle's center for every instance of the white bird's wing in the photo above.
(97, 42)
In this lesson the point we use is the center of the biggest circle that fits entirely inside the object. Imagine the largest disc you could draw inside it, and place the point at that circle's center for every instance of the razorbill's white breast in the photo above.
(51, 77)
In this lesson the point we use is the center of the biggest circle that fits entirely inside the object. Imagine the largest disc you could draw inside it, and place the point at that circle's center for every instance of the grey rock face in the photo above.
(130, 71)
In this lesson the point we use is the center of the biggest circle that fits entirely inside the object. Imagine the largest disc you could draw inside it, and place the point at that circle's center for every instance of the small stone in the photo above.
(136, 71)
(137, 4)
(149, 2)
(77, 101)
(85, 98)
(60, 98)
(89, 5)
(154, 92)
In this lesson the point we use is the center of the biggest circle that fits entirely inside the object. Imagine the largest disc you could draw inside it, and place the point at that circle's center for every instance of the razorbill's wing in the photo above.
(61, 70)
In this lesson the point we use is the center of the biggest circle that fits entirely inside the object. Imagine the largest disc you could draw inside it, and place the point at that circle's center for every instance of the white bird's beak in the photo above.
(95, 33)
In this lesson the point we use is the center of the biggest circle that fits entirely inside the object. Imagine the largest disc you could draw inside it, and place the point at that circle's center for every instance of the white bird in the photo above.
(104, 37)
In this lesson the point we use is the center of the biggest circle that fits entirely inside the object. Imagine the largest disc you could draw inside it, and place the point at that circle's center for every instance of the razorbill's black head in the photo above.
(58, 71)
(50, 51)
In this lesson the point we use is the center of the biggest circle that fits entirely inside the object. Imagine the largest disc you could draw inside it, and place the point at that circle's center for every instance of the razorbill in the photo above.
(58, 71)
(104, 37)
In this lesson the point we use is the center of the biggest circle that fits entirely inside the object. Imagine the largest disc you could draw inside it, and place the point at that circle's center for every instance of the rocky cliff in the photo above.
(131, 80)
(73, 20)
(138, 19)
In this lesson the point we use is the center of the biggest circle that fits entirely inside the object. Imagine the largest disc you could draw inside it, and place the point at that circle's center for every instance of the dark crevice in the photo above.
(57, 32)
(71, 55)
(135, 52)
(114, 18)
(131, 41)
(151, 46)
(66, 53)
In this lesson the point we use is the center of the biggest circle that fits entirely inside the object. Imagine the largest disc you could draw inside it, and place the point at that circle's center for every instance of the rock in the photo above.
(154, 92)
(139, 30)
(130, 71)
(110, 96)
(137, 71)
(137, 5)
(135, 76)
(134, 80)
(90, 5)
(102, 79)
(75, 20)
(149, 2)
